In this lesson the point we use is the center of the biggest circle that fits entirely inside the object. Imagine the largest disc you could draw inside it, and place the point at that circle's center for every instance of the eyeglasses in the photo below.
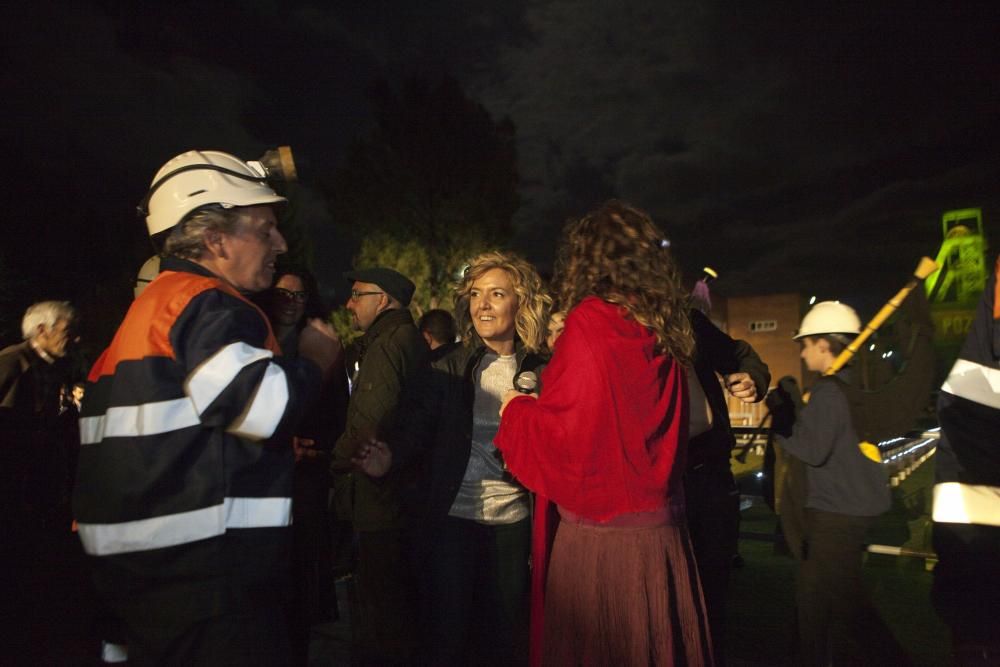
(355, 294)
(289, 295)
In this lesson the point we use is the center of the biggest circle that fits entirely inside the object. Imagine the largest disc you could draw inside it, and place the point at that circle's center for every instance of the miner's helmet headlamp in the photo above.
(203, 178)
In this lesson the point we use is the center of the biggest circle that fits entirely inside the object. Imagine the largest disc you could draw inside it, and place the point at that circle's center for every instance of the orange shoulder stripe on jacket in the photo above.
(146, 329)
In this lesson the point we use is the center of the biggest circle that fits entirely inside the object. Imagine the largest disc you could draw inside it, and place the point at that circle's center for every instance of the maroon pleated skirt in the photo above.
(623, 596)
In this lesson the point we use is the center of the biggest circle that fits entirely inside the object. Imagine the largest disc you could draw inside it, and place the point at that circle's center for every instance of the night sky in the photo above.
(794, 146)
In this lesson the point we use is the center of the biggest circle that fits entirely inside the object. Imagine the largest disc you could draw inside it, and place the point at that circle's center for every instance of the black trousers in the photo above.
(384, 620)
(255, 637)
(966, 591)
(475, 594)
(713, 513)
(837, 623)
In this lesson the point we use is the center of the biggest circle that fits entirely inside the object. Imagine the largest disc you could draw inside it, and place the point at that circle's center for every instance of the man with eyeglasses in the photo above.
(389, 354)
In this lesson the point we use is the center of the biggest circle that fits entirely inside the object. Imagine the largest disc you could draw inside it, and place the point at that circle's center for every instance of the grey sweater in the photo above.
(839, 477)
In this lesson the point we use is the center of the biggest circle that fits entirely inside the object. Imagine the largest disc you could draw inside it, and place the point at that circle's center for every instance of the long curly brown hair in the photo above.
(617, 253)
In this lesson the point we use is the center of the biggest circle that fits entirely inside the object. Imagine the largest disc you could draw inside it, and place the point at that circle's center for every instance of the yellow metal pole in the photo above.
(926, 267)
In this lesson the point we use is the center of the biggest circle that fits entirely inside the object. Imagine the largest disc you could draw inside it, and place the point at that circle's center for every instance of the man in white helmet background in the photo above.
(845, 493)
(183, 499)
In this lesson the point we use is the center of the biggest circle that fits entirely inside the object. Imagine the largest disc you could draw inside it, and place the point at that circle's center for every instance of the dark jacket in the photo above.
(967, 483)
(716, 352)
(35, 440)
(183, 495)
(390, 354)
(442, 351)
(28, 387)
(839, 478)
(434, 438)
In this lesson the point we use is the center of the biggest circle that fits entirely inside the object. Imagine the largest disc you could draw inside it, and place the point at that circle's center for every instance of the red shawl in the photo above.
(602, 439)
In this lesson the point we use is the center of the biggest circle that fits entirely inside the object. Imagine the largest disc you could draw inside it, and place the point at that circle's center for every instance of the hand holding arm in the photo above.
(741, 386)
(735, 360)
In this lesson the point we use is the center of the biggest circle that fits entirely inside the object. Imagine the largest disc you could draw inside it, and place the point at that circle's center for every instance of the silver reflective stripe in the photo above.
(266, 408)
(974, 382)
(967, 503)
(258, 512)
(105, 539)
(213, 375)
(136, 420)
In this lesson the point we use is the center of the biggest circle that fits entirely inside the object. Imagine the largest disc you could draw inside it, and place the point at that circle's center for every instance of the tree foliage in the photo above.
(340, 318)
(433, 183)
(293, 228)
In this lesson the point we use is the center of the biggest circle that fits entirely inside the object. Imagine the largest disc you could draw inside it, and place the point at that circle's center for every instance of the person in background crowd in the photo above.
(147, 273)
(184, 493)
(472, 518)
(36, 448)
(438, 329)
(71, 397)
(290, 304)
(47, 329)
(557, 322)
(36, 472)
(604, 442)
(389, 354)
(710, 492)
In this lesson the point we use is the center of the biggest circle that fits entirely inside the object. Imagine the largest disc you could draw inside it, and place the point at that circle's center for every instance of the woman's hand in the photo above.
(509, 396)
(374, 458)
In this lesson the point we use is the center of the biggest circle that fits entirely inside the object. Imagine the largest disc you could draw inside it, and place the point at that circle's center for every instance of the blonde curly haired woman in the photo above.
(473, 530)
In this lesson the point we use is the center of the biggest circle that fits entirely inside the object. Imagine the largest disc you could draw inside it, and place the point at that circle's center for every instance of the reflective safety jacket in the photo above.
(966, 590)
(184, 489)
(967, 465)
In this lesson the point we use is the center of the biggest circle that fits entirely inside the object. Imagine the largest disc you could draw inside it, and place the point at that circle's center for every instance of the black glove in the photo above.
(784, 402)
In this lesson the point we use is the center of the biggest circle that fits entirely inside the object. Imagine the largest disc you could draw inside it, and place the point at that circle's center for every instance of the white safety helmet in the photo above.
(200, 178)
(149, 270)
(829, 317)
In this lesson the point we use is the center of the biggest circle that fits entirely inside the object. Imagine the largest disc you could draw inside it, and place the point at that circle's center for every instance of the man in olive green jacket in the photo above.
(389, 354)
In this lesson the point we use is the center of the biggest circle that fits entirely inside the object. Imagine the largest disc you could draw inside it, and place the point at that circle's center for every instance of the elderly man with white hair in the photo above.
(33, 462)
(47, 330)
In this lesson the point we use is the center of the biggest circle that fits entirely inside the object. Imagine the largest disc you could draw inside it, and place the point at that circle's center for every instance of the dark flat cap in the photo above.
(395, 284)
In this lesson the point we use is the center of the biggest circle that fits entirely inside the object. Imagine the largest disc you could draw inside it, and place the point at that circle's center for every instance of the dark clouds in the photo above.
(793, 147)
(789, 146)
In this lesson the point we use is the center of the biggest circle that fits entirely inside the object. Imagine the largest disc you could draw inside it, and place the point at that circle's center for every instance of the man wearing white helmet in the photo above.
(846, 491)
(147, 272)
(183, 498)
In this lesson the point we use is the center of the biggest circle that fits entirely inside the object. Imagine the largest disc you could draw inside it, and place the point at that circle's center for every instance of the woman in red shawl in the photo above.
(604, 444)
